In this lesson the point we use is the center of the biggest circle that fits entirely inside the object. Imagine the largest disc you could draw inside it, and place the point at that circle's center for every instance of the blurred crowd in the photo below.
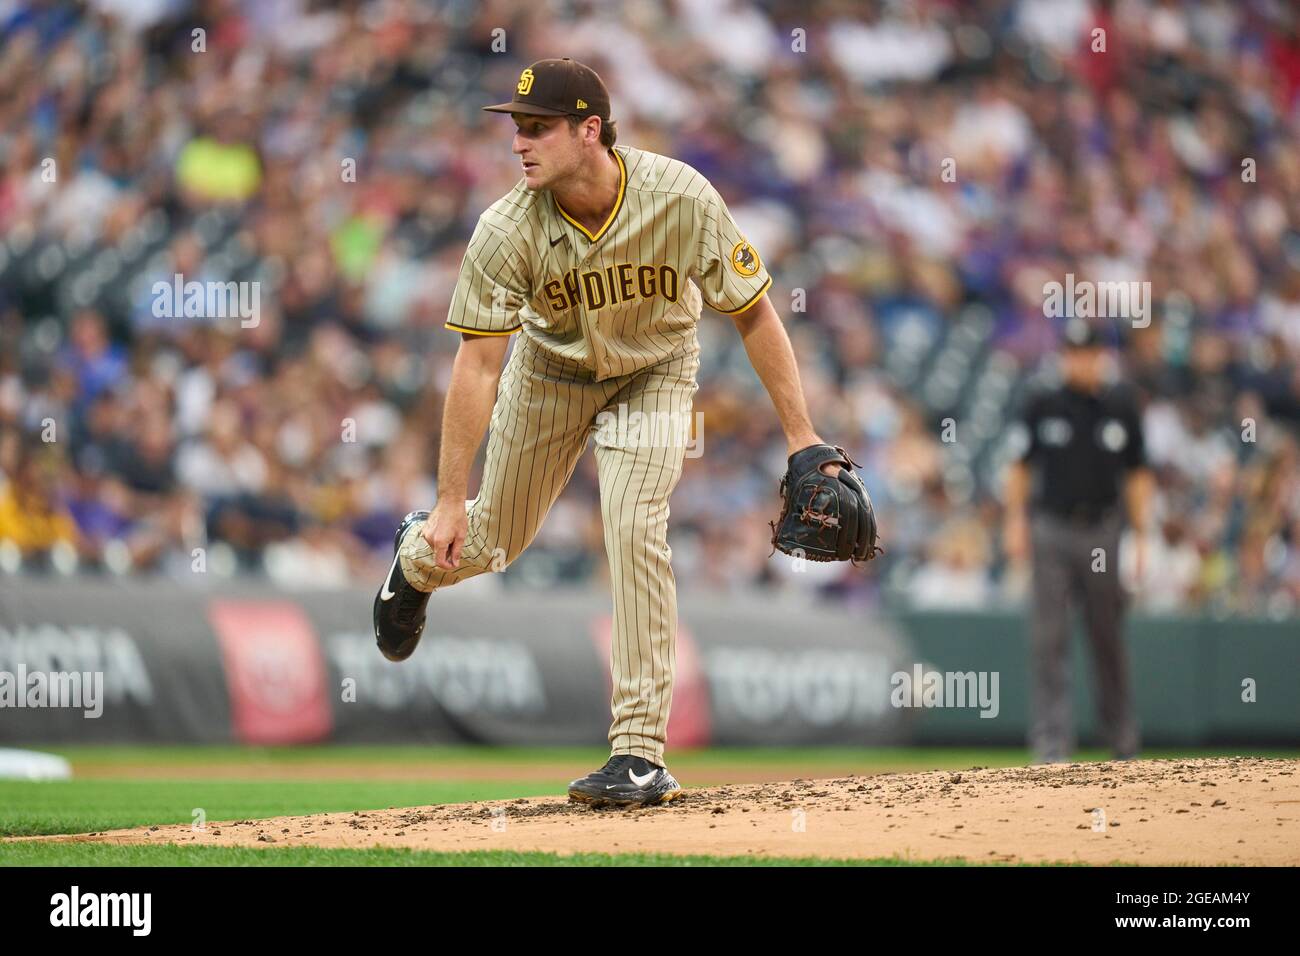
(897, 164)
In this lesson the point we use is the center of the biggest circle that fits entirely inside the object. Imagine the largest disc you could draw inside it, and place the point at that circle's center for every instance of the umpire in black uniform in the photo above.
(1084, 465)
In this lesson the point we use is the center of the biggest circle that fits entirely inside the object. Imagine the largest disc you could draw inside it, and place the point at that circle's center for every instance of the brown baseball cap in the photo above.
(562, 87)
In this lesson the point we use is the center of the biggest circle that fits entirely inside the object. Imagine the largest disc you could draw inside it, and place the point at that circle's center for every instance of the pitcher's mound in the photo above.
(1242, 811)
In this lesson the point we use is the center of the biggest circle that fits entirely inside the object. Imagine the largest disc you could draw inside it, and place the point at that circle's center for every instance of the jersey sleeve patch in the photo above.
(729, 270)
(744, 259)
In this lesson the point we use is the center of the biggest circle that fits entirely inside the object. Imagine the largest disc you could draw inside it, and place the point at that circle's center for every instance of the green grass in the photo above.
(107, 802)
(859, 759)
(103, 803)
(99, 854)
(192, 755)
(84, 806)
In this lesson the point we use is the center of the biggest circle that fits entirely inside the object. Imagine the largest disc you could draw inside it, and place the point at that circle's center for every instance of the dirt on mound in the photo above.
(1241, 811)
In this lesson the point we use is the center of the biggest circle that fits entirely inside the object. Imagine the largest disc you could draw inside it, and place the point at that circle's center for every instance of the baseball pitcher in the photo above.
(601, 258)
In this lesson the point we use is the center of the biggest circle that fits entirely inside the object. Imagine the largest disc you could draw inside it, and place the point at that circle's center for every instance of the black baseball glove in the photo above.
(824, 518)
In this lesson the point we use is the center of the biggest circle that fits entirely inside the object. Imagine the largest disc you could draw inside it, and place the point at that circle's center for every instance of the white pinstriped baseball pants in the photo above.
(545, 413)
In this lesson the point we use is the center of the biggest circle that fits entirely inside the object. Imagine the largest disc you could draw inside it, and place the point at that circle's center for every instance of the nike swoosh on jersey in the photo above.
(556, 241)
(386, 594)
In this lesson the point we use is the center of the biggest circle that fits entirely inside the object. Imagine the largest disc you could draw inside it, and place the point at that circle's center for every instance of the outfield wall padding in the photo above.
(248, 663)
(255, 665)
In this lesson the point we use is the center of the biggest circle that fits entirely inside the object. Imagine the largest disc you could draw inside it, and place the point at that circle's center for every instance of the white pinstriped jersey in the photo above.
(617, 300)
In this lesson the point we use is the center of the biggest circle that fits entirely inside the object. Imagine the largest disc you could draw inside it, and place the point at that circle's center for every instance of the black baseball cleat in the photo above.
(625, 781)
(399, 608)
